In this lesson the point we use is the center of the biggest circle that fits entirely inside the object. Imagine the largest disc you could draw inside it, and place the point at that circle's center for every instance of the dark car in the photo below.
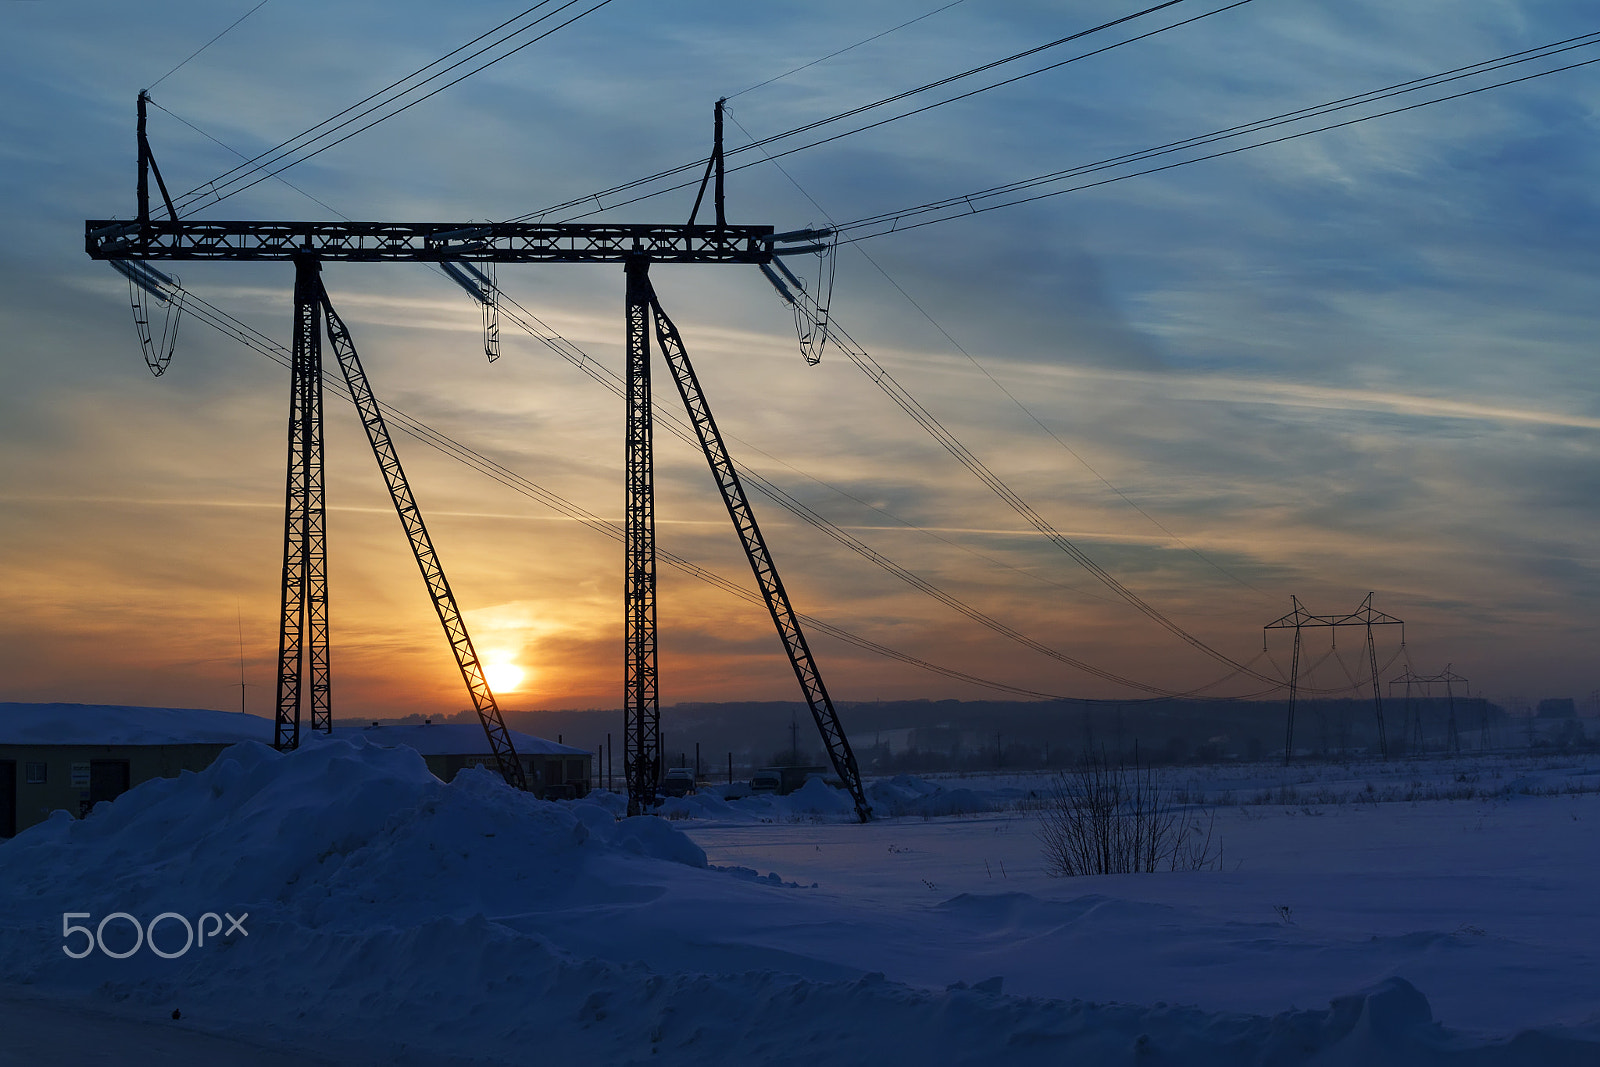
(677, 782)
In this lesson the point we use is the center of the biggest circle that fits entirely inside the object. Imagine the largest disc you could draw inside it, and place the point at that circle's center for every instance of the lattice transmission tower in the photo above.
(459, 248)
(1299, 619)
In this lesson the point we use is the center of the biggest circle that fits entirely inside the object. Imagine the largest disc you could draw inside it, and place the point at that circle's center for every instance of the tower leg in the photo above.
(303, 618)
(641, 706)
(1454, 738)
(755, 547)
(1377, 693)
(1414, 716)
(1294, 688)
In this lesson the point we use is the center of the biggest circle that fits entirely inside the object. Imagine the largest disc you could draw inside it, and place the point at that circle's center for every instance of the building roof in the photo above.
(121, 724)
(453, 739)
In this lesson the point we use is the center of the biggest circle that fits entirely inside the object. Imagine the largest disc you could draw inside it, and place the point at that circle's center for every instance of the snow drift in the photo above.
(392, 917)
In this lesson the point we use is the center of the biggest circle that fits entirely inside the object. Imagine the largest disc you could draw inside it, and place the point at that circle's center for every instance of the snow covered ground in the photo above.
(394, 919)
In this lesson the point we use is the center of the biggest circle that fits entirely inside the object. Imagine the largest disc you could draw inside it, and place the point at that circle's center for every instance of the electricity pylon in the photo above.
(1299, 619)
(456, 247)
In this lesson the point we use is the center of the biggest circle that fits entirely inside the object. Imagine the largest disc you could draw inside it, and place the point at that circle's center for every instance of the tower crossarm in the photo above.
(1365, 615)
(428, 242)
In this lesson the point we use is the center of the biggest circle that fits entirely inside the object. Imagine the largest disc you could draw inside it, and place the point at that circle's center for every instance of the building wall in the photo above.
(67, 768)
(549, 777)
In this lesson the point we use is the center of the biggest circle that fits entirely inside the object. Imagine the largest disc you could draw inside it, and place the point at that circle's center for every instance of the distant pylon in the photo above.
(1300, 619)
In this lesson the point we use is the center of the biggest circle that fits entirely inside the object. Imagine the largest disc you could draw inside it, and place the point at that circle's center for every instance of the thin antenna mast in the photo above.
(239, 610)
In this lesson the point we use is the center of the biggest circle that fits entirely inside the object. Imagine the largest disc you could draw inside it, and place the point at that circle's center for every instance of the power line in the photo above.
(226, 185)
(852, 112)
(973, 203)
(234, 328)
(208, 44)
(919, 414)
(249, 164)
(675, 424)
(948, 441)
(1009, 395)
(884, 378)
(996, 382)
(265, 345)
(316, 200)
(841, 51)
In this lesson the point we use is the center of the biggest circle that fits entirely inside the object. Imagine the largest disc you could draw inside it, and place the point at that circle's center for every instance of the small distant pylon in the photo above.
(1411, 725)
(1299, 619)
(1449, 677)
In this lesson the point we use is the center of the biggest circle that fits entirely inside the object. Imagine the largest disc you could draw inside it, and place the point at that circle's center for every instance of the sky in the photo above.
(1359, 361)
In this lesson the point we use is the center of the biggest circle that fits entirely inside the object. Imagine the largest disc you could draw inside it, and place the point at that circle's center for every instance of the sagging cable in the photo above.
(144, 279)
(811, 305)
(482, 288)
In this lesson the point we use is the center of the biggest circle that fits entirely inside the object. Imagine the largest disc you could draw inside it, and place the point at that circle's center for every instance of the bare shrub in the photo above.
(1100, 817)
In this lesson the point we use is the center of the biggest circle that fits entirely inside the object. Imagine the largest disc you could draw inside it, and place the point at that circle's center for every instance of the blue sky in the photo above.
(1358, 361)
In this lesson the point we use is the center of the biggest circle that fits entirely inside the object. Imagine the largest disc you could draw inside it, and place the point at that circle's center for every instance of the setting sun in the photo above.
(503, 677)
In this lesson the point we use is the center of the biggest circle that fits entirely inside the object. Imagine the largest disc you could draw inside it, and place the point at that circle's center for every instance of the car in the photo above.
(678, 782)
(765, 781)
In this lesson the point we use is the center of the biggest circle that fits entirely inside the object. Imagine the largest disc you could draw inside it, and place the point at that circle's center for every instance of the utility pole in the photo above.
(239, 618)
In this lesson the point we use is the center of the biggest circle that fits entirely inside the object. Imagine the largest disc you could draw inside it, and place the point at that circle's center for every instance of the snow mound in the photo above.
(814, 801)
(322, 835)
(704, 804)
(817, 797)
(906, 794)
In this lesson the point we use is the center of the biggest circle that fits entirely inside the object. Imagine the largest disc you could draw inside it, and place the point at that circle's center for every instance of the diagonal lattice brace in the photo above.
(755, 548)
(405, 505)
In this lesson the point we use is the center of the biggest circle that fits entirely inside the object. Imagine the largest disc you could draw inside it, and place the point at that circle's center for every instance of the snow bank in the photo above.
(319, 836)
(393, 918)
(906, 794)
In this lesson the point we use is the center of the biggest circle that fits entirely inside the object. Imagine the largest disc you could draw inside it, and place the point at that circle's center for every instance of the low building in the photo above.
(72, 756)
(554, 771)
